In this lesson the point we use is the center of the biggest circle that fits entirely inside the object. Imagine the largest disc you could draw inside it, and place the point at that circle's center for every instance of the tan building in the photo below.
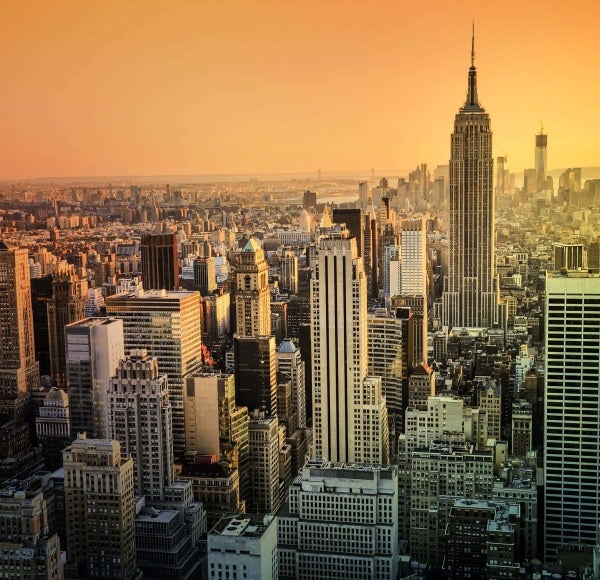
(252, 296)
(490, 400)
(100, 509)
(19, 371)
(263, 441)
(421, 386)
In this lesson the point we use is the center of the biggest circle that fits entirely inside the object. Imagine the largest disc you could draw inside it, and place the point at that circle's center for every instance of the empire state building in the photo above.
(470, 298)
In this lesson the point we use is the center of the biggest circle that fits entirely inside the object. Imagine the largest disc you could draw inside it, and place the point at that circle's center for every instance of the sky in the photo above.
(145, 87)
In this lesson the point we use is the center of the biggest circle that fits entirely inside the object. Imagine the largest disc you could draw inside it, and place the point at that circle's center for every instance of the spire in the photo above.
(472, 102)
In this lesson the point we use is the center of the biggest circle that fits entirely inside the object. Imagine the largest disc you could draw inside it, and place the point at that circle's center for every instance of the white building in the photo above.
(140, 418)
(340, 521)
(339, 336)
(413, 265)
(243, 547)
(290, 364)
(572, 409)
(94, 347)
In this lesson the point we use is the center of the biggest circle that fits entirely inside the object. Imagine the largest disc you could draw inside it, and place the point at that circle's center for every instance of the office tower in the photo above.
(371, 243)
(205, 275)
(100, 509)
(569, 256)
(339, 333)
(140, 419)
(438, 473)
(571, 413)
(421, 386)
(67, 305)
(19, 371)
(263, 445)
(256, 373)
(41, 293)
(243, 546)
(160, 262)
(363, 194)
(94, 304)
(291, 366)
(167, 325)
(215, 316)
(340, 521)
(279, 320)
(288, 265)
(252, 297)
(414, 309)
(384, 359)
(483, 540)
(94, 348)
(471, 296)
(541, 162)
(30, 550)
(413, 264)
(521, 429)
(53, 427)
(530, 181)
(489, 397)
(213, 423)
(502, 181)
(353, 218)
(309, 199)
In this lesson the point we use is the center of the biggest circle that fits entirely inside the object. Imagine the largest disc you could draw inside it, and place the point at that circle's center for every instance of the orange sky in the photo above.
(136, 87)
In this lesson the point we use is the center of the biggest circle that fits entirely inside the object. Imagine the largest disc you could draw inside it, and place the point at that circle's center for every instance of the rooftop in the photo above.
(247, 526)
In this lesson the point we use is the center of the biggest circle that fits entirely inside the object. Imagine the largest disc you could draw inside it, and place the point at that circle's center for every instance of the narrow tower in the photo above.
(471, 295)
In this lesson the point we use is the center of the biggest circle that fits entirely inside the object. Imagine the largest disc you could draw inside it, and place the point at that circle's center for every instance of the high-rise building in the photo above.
(353, 218)
(291, 366)
(41, 294)
(252, 296)
(19, 371)
(100, 509)
(140, 419)
(263, 444)
(502, 179)
(363, 194)
(288, 265)
(167, 325)
(341, 400)
(413, 258)
(160, 262)
(572, 410)
(471, 295)
(205, 275)
(256, 373)
(421, 386)
(53, 427)
(489, 396)
(340, 521)
(541, 161)
(67, 305)
(94, 347)
(569, 257)
(309, 199)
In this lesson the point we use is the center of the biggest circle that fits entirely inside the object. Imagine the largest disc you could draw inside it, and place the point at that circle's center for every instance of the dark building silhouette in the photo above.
(160, 263)
(41, 293)
(353, 218)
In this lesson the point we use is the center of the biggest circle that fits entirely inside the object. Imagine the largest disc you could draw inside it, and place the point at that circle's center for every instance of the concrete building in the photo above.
(140, 419)
(489, 397)
(288, 267)
(167, 325)
(340, 521)
(471, 294)
(28, 550)
(19, 371)
(94, 347)
(263, 444)
(521, 429)
(252, 296)
(291, 365)
(340, 361)
(205, 275)
(53, 427)
(100, 510)
(421, 386)
(571, 410)
(67, 305)
(243, 547)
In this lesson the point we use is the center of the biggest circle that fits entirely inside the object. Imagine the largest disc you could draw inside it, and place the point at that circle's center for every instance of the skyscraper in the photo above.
(100, 509)
(572, 410)
(160, 262)
(140, 419)
(94, 347)
(289, 271)
(252, 297)
(205, 276)
(471, 296)
(67, 305)
(19, 372)
(353, 218)
(341, 398)
(167, 325)
(541, 161)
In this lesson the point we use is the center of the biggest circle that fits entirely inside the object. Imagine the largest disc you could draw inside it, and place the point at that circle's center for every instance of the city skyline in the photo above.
(195, 90)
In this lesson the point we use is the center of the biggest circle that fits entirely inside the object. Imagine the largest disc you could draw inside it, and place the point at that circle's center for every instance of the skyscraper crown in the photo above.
(472, 104)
